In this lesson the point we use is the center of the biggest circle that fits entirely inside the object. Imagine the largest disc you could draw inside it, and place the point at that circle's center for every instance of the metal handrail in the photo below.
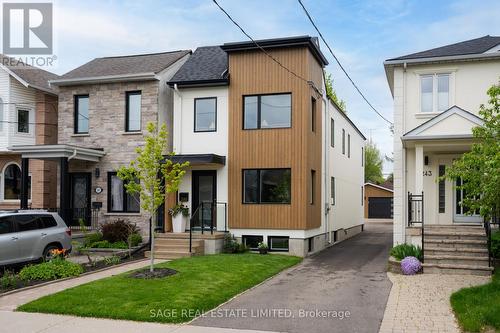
(195, 213)
(487, 227)
(213, 220)
(419, 212)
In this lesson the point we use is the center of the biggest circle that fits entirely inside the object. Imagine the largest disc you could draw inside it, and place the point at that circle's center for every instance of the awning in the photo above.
(198, 159)
(46, 152)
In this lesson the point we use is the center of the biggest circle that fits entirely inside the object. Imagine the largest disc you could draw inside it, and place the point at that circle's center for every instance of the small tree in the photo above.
(330, 92)
(480, 168)
(373, 164)
(144, 175)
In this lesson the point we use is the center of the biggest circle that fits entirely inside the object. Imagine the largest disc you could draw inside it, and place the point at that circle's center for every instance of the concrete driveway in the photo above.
(342, 289)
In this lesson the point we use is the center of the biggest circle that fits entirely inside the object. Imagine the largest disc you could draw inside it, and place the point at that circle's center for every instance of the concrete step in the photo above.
(179, 247)
(457, 269)
(184, 242)
(438, 234)
(451, 251)
(169, 254)
(455, 228)
(455, 243)
(456, 260)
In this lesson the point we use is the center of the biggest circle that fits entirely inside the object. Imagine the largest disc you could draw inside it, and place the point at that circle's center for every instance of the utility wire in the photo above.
(265, 52)
(340, 65)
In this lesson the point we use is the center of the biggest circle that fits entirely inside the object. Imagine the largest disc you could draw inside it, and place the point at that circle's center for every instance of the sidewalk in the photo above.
(421, 303)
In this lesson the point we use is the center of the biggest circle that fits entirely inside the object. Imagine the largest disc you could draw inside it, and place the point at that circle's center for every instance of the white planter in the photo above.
(179, 223)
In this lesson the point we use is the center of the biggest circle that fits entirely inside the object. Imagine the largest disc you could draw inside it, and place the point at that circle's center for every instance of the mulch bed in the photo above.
(158, 273)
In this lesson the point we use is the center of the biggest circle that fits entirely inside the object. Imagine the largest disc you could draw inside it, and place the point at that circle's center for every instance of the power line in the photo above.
(340, 65)
(265, 52)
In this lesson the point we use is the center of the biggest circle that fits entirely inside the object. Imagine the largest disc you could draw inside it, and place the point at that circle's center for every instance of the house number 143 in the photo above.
(427, 173)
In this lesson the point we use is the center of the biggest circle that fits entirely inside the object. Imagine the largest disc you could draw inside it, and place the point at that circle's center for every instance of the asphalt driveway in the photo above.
(342, 289)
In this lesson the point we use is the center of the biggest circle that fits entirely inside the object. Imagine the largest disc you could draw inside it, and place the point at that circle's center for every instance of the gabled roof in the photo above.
(27, 75)
(418, 133)
(473, 46)
(207, 65)
(129, 67)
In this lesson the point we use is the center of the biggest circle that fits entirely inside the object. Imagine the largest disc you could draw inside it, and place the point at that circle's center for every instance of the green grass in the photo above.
(478, 307)
(201, 284)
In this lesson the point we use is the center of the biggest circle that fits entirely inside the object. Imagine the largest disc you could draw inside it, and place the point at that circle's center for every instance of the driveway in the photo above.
(342, 289)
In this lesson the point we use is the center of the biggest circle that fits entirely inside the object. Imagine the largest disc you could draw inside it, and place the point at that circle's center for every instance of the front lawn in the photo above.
(201, 284)
(478, 307)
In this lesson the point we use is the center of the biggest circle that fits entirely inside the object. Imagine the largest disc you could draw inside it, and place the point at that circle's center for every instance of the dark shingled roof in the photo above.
(473, 46)
(126, 65)
(207, 65)
(34, 76)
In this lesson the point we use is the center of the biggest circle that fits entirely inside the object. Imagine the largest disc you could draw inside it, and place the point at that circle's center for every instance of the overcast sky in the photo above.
(362, 34)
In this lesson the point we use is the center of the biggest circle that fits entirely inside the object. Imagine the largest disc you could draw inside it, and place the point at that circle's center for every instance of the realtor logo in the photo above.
(27, 28)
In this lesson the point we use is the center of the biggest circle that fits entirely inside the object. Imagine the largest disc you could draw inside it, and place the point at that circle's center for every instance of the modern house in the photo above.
(272, 159)
(104, 106)
(28, 116)
(437, 94)
(378, 203)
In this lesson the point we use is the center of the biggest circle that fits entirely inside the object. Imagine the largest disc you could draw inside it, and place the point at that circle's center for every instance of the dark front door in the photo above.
(80, 198)
(205, 194)
(379, 208)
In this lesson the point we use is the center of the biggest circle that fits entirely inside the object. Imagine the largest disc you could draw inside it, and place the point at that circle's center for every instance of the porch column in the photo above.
(419, 169)
(64, 189)
(25, 162)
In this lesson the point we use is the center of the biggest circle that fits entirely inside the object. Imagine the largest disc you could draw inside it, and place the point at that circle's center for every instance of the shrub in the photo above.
(232, 246)
(8, 280)
(113, 260)
(495, 244)
(410, 266)
(402, 251)
(92, 238)
(118, 230)
(104, 244)
(51, 270)
(135, 239)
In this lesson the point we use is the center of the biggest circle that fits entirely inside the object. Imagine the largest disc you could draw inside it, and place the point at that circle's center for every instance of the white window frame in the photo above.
(31, 120)
(451, 89)
(2, 189)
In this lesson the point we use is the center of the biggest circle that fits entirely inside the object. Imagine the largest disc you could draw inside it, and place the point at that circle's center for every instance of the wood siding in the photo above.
(297, 148)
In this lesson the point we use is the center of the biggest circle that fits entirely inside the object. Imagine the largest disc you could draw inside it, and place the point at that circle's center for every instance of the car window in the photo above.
(5, 225)
(48, 221)
(27, 222)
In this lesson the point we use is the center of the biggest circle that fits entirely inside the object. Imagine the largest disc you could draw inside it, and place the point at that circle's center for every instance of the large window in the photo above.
(434, 92)
(278, 243)
(267, 186)
(133, 111)
(81, 114)
(267, 111)
(118, 198)
(23, 121)
(12, 183)
(205, 114)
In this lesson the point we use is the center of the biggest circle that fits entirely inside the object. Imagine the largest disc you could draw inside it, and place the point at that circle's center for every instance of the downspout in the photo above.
(72, 155)
(326, 166)
(176, 89)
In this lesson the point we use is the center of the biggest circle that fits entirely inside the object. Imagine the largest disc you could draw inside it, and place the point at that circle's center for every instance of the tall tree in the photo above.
(373, 164)
(146, 173)
(480, 168)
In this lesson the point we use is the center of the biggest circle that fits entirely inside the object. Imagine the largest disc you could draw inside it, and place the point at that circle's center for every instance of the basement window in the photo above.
(278, 243)
(252, 241)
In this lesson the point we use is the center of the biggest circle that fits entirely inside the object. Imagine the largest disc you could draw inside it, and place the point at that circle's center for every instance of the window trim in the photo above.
(125, 196)
(127, 110)
(258, 187)
(17, 120)
(194, 116)
(75, 113)
(269, 243)
(259, 111)
(435, 101)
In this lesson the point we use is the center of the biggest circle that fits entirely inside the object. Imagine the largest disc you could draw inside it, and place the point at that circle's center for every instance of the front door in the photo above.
(204, 192)
(80, 198)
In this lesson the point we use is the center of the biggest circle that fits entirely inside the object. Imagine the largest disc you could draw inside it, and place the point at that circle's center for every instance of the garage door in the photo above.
(379, 208)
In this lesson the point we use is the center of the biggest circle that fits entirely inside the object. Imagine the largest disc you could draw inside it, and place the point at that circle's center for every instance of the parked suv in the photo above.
(31, 235)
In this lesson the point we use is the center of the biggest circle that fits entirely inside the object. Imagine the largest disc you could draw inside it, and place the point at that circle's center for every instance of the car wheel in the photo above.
(47, 253)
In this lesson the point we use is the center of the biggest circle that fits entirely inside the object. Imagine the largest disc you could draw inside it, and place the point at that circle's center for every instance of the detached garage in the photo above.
(378, 202)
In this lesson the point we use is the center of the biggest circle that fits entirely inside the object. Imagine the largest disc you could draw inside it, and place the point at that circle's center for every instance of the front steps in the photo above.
(174, 246)
(456, 249)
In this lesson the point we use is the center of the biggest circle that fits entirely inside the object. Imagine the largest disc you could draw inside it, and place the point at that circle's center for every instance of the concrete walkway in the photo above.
(421, 303)
(342, 289)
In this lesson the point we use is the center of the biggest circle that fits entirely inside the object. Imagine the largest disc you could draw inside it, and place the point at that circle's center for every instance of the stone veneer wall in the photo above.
(107, 131)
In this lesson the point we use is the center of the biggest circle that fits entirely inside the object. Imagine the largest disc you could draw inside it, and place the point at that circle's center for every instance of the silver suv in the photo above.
(29, 235)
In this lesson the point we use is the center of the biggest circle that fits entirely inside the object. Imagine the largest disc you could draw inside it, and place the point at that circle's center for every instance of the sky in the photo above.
(361, 33)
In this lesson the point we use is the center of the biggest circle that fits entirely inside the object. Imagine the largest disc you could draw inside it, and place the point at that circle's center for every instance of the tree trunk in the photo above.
(152, 253)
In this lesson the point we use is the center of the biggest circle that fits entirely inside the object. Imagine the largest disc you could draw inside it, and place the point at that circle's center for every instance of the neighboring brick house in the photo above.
(104, 106)
(28, 115)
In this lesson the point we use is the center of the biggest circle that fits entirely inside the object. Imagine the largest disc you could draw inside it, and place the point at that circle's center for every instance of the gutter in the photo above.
(104, 79)
(462, 57)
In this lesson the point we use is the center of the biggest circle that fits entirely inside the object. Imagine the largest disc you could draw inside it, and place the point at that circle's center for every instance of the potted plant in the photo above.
(263, 248)
(179, 215)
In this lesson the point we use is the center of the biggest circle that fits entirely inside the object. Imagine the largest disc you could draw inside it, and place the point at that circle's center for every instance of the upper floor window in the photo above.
(313, 114)
(205, 114)
(23, 121)
(349, 145)
(362, 156)
(267, 111)
(1, 114)
(332, 132)
(81, 114)
(434, 92)
(343, 141)
(266, 186)
(133, 111)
